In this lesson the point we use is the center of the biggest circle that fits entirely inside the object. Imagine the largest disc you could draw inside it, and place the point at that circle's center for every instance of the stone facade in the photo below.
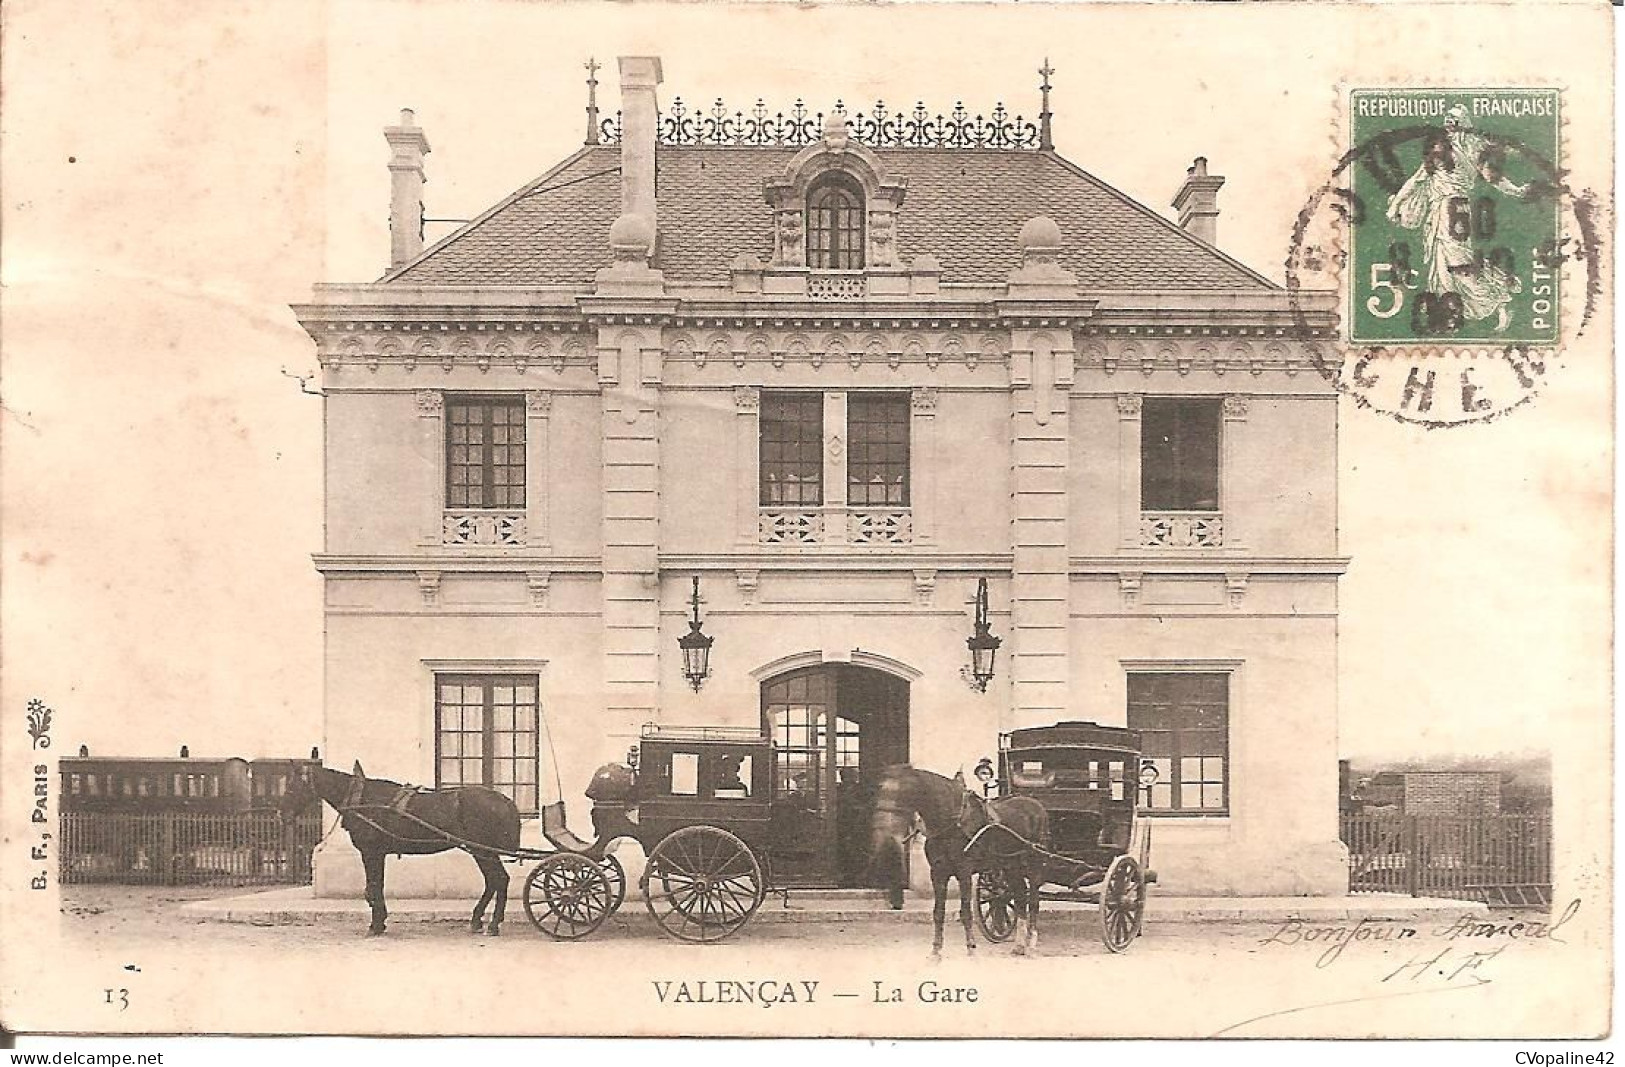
(1023, 402)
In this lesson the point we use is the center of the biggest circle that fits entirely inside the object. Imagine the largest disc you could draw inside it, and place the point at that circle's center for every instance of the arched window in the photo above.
(835, 224)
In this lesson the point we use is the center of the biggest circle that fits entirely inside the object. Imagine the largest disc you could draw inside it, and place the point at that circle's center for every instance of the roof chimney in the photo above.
(640, 126)
(1198, 201)
(407, 146)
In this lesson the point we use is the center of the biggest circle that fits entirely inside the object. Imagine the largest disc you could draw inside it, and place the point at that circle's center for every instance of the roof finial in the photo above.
(592, 66)
(1046, 141)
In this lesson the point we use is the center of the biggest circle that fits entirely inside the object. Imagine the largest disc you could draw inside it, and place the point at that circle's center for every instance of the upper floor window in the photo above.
(1179, 454)
(1184, 724)
(792, 449)
(877, 456)
(835, 224)
(485, 452)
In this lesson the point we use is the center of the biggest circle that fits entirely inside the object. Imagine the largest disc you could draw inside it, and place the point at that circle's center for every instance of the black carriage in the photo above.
(700, 802)
(1089, 779)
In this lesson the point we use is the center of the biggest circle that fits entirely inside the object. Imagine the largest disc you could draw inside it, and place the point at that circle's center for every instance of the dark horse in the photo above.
(1000, 835)
(905, 792)
(383, 817)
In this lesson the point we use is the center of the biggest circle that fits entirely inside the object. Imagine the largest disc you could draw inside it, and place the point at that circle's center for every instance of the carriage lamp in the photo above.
(982, 644)
(696, 645)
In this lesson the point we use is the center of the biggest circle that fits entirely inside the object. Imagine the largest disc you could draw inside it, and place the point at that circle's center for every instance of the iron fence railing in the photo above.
(188, 848)
(1499, 859)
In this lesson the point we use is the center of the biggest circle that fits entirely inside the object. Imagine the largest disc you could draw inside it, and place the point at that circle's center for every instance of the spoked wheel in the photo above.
(615, 875)
(702, 884)
(568, 896)
(995, 905)
(1122, 903)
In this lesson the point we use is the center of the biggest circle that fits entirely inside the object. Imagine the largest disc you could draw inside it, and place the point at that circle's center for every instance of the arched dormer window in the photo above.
(835, 223)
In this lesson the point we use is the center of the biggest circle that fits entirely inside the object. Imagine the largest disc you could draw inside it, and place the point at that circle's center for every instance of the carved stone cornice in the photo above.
(1184, 356)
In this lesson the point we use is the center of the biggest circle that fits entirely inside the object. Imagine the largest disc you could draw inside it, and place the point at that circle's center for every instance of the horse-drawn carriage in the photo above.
(704, 805)
(700, 802)
(1088, 779)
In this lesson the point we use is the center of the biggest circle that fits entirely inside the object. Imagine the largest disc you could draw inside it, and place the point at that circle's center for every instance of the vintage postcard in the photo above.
(930, 520)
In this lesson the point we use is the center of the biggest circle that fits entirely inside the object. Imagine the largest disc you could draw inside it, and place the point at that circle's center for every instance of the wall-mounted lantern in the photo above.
(696, 645)
(982, 644)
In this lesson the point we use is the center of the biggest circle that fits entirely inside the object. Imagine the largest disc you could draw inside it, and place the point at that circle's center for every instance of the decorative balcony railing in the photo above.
(880, 526)
(836, 526)
(482, 528)
(836, 287)
(878, 127)
(1181, 529)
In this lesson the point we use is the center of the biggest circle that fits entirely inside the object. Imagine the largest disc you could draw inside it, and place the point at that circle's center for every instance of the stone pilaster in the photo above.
(431, 405)
(629, 377)
(1040, 585)
(538, 493)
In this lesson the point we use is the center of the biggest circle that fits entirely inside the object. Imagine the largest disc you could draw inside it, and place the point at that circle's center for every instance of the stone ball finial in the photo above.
(1039, 232)
(631, 237)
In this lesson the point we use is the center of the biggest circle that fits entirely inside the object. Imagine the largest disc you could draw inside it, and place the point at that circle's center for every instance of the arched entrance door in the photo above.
(835, 726)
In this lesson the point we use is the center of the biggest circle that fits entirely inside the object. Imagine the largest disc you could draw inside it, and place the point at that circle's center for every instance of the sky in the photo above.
(173, 182)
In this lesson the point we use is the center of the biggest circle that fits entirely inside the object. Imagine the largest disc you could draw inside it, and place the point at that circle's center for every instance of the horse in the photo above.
(383, 817)
(989, 848)
(904, 793)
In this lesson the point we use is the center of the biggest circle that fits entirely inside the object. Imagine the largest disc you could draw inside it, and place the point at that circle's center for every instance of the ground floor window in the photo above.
(486, 729)
(1184, 724)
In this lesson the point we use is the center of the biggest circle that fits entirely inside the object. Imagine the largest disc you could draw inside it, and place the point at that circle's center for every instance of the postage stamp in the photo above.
(1458, 239)
(1462, 256)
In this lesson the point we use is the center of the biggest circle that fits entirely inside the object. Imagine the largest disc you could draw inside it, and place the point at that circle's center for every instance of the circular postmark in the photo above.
(1430, 275)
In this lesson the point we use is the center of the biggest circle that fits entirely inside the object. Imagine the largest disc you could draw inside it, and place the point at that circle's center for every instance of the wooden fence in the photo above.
(1499, 859)
(188, 848)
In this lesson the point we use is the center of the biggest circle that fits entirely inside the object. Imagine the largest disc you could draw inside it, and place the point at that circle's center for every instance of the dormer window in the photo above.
(835, 224)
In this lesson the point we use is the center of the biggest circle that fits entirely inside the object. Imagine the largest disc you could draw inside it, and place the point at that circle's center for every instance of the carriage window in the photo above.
(685, 774)
(729, 775)
(486, 730)
(1183, 721)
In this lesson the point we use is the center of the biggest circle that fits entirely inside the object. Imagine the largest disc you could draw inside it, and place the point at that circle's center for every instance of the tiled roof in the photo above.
(964, 207)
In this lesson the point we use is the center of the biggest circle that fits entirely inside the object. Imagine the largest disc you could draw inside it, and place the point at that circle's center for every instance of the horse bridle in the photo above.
(914, 827)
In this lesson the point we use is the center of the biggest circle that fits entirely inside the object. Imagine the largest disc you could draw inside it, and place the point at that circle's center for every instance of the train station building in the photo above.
(841, 369)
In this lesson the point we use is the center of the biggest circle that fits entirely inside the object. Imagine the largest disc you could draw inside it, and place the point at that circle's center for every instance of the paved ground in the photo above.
(1184, 979)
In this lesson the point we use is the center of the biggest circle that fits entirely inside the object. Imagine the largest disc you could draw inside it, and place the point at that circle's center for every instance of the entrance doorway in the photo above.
(835, 727)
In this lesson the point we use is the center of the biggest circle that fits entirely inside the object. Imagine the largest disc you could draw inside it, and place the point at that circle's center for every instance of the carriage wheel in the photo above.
(702, 883)
(568, 896)
(995, 905)
(615, 875)
(1122, 903)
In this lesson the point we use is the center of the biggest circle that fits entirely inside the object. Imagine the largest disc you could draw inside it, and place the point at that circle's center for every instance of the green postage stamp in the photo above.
(1455, 217)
